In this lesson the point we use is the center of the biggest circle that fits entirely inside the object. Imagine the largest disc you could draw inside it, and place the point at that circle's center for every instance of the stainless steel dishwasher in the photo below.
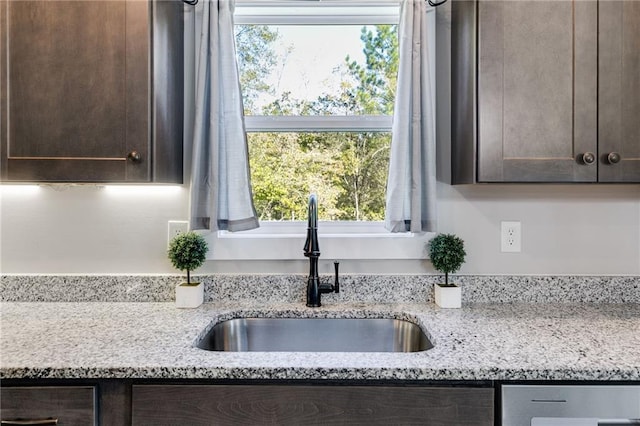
(541, 405)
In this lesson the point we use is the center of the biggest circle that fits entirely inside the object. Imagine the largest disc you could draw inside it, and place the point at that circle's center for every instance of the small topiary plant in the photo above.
(446, 252)
(187, 252)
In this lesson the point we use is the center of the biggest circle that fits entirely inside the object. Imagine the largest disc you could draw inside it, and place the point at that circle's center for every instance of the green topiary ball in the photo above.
(187, 251)
(446, 252)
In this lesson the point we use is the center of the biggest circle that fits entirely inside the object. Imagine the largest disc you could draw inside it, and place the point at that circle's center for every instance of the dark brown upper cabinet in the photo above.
(92, 91)
(619, 91)
(545, 91)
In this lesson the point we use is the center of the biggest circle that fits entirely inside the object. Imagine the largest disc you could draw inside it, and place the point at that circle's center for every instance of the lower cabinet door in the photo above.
(48, 405)
(196, 405)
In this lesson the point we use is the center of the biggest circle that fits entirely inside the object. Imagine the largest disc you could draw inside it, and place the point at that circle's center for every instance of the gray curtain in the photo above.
(411, 185)
(221, 196)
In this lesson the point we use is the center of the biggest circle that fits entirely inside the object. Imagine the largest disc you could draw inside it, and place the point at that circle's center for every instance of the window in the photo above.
(318, 82)
(318, 87)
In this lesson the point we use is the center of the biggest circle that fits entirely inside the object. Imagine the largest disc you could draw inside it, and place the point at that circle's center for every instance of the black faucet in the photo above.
(312, 250)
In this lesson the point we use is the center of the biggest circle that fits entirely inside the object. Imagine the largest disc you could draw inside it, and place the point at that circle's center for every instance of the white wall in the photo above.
(567, 229)
(87, 229)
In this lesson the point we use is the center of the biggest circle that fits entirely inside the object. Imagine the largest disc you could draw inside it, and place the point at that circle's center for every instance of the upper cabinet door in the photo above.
(537, 91)
(78, 91)
(619, 91)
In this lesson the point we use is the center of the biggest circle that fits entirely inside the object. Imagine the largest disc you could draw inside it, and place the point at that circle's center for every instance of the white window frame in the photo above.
(338, 239)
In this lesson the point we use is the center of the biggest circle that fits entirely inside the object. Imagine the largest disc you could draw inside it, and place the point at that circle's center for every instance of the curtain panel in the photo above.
(221, 196)
(411, 185)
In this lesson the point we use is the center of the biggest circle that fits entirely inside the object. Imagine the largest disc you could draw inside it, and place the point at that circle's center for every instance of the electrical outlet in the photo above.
(511, 237)
(175, 228)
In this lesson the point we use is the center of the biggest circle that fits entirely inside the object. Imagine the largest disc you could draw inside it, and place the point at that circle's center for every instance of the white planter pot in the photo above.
(448, 297)
(189, 296)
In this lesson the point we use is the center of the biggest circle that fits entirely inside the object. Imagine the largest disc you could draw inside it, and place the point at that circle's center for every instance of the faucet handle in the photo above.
(336, 284)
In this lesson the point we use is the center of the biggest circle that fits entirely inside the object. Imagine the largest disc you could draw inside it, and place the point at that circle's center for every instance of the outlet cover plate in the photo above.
(511, 237)
(175, 228)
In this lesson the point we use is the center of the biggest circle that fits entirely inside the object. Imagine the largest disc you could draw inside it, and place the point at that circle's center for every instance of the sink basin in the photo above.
(315, 335)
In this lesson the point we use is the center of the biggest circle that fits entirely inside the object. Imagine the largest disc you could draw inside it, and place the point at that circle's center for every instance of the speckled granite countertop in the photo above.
(477, 342)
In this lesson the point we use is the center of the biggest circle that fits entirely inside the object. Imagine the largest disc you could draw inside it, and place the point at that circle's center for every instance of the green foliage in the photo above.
(255, 61)
(447, 254)
(187, 252)
(365, 161)
(343, 169)
(283, 174)
(377, 79)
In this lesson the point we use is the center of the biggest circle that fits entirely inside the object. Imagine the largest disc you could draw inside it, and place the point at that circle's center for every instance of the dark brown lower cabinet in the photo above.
(69, 405)
(197, 405)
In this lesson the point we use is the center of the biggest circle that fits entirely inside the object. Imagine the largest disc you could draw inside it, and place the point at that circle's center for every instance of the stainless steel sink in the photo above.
(315, 335)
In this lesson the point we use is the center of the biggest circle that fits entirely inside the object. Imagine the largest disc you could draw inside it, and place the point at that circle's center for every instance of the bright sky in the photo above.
(317, 51)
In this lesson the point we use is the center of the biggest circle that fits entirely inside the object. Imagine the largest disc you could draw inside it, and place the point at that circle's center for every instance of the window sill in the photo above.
(338, 240)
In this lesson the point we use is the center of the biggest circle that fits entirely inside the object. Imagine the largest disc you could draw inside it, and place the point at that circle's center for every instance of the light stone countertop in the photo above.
(477, 342)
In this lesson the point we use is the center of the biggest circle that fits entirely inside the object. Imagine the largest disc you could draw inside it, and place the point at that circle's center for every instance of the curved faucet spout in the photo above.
(311, 246)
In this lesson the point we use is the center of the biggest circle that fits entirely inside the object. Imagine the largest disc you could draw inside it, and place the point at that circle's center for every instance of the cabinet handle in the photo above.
(588, 158)
(613, 158)
(23, 422)
(134, 156)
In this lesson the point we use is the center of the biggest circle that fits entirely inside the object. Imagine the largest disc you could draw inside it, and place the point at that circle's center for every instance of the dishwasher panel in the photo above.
(597, 405)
